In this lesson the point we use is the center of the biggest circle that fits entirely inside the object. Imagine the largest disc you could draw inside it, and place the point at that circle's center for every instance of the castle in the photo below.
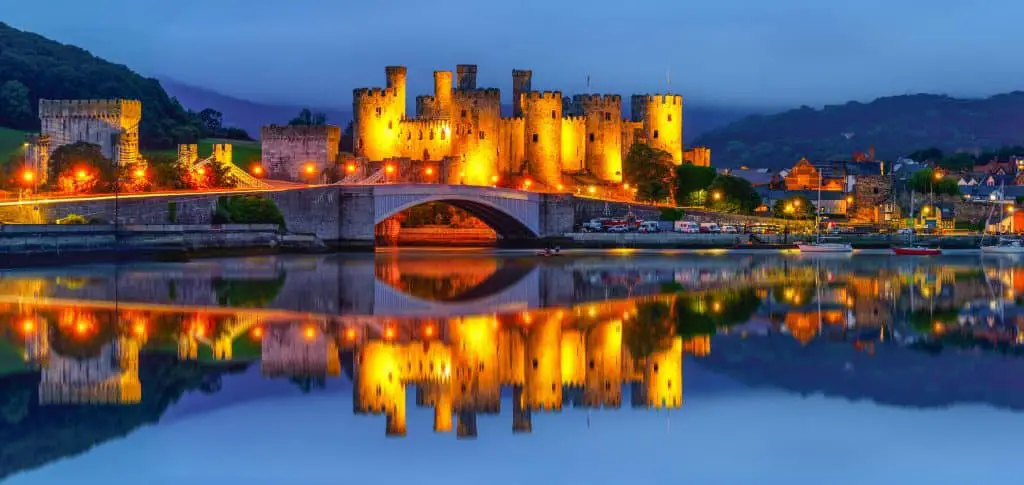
(290, 151)
(548, 135)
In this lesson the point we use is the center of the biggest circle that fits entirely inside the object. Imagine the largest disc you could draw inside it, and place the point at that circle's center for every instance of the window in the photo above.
(607, 116)
(535, 137)
(552, 114)
(875, 190)
(535, 363)
(463, 113)
(670, 118)
(591, 137)
(408, 136)
(389, 125)
(655, 134)
(421, 134)
(378, 111)
(431, 134)
(482, 136)
(442, 134)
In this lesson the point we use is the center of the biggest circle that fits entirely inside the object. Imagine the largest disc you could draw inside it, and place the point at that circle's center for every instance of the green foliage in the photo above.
(737, 195)
(247, 293)
(794, 207)
(12, 143)
(52, 70)
(923, 181)
(210, 122)
(894, 125)
(671, 214)
(247, 209)
(650, 331)
(957, 162)
(80, 168)
(691, 183)
(73, 219)
(705, 314)
(650, 171)
(928, 154)
(309, 118)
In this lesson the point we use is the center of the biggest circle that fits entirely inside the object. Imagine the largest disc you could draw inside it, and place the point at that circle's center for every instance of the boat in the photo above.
(1004, 246)
(819, 245)
(912, 249)
(916, 251)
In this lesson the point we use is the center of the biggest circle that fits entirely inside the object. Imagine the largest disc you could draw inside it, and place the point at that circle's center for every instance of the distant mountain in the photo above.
(244, 114)
(895, 126)
(34, 67)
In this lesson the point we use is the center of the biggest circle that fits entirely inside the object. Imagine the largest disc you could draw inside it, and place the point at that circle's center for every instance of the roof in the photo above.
(864, 168)
(811, 195)
(756, 177)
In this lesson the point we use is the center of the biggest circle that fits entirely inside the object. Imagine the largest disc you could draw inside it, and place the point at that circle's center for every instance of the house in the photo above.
(806, 175)
(756, 176)
(833, 202)
(995, 167)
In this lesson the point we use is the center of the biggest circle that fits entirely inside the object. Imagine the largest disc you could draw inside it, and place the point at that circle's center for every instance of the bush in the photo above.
(73, 219)
(671, 214)
(247, 209)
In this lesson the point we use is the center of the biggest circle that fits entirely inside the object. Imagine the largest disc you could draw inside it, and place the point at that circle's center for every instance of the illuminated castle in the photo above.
(547, 135)
(538, 361)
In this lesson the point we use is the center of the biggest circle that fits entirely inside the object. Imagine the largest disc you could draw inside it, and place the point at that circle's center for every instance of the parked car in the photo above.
(688, 227)
(593, 225)
(710, 227)
(650, 226)
(730, 229)
(619, 228)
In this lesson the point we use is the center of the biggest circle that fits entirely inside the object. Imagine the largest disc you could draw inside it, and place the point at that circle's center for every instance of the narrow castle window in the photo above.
(670, 118)
(591, 137)
(431, 134)
(552, 114)
(463, 113)
(655, 134)
(442, 134)
(389, 125)
(421, 134)
(482, 136)
(378, 111)
(535, 137)
(608, 117)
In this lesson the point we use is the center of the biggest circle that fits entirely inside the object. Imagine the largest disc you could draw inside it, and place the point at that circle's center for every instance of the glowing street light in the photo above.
(527, 183)
(81, 174)
(591, 190)
(428, 171)
(139, 173)
(257, 170)
(201, 171)
(849, 199)
(350, 168)
(389, 168)
(716, 195)
(561, 187)
(494, 179)
(310, 169)
(796, 203)
(28, 176)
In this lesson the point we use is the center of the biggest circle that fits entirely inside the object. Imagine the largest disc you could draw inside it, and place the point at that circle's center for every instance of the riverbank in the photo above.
(675, 240)
(23, 245)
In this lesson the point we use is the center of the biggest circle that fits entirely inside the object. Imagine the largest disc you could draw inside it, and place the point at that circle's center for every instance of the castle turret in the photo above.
(521, 83)
(442, 94)
(113, 124)
(604, 134)
(467, 76)
(396, 76)
(475, 120)
(543, 113)
(662, 118)
(377, 113)
(521, 419)
(543, 384)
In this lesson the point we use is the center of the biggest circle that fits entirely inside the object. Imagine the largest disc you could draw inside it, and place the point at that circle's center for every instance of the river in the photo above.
(485, 366)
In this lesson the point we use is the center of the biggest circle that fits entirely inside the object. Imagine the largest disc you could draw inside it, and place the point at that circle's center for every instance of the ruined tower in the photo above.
(662, 118)
(442, 94)
(396, 76)
(604, 134)
(113, 124)
(521, 83)
(543, 113)
(467, 76)
(37, 156)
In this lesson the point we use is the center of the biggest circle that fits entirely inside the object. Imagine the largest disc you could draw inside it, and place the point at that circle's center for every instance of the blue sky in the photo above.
(748, 53)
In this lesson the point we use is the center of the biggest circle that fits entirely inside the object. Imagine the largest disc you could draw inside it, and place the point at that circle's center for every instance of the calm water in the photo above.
(483, 367)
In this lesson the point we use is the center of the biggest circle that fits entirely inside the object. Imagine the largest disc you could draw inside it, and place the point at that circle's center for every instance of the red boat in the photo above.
(916, 251)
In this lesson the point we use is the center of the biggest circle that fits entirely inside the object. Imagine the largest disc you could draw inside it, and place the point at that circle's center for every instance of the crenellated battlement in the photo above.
(436, 125)
(597, 99)
(513, 120)
(360, 93)
(574, 120)
(90, 108)
(292, 132)
(485, 94)
(543, 95)
(672, 99)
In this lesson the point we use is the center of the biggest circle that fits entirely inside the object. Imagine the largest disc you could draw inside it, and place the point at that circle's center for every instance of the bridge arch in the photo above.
(512, 214)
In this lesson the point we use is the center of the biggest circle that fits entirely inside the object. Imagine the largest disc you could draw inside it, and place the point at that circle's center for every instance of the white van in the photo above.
(688, 227)
(711, 227)
(649, 226)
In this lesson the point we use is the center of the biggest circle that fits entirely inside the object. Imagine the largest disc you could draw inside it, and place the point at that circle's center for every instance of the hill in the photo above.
(895, 126)
(11, 142)
(241, 113)
(34, 67)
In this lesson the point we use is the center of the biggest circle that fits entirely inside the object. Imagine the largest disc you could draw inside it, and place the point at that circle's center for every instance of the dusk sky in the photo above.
(750, 53)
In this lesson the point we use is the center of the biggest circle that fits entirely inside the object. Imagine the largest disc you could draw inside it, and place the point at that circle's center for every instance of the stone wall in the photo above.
(113, 124)
(870, 194)
(288, 150)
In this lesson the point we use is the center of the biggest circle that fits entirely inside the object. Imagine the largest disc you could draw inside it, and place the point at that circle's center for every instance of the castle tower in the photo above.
(396, 76)
(604, 364)
(188, 153)
(475, 118)
(543, 113)
(377, 114)
(662, 118)
(222, 153)
(521, 419)
(37, 156)
(604, 134)
(442, 94)
(113, 124)
(465, 426)
(443, 408)
(466, 76)
(543, 386)
(663, 377)
(521, 83)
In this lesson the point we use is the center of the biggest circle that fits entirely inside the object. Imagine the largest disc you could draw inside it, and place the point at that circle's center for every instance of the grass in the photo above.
(11, 143)
(11, 359)
(243, 153)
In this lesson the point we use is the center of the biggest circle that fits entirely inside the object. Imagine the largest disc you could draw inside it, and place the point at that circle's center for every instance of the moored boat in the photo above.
(1004, 246)
(916, 251)
(824, 247)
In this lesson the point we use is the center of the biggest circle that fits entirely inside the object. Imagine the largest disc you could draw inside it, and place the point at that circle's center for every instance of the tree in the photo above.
(80, 168)
(212, 121)
(933, 154)
(957, 161)
(691, 182)
(309, 118)
(15, 106)
(925, 181)
(650, 171)
(650, 331)
(733, 194)
(794, 207)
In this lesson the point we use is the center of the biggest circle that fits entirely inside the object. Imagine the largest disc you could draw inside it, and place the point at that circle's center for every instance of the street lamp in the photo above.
(257, 170)
(591, 190)
(526, 184)
(716, 195)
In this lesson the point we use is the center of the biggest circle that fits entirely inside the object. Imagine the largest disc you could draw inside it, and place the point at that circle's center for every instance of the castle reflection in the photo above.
(626, 328)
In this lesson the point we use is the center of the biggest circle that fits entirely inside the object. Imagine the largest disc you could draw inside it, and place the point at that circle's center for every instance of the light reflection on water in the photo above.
(441, 342)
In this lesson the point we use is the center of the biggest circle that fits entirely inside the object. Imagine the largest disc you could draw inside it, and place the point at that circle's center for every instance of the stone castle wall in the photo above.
(699, 156)
(662, 117)
(113, 124)
(287, 149)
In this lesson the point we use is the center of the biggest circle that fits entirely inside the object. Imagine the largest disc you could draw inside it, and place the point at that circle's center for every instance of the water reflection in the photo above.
(465, 335)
